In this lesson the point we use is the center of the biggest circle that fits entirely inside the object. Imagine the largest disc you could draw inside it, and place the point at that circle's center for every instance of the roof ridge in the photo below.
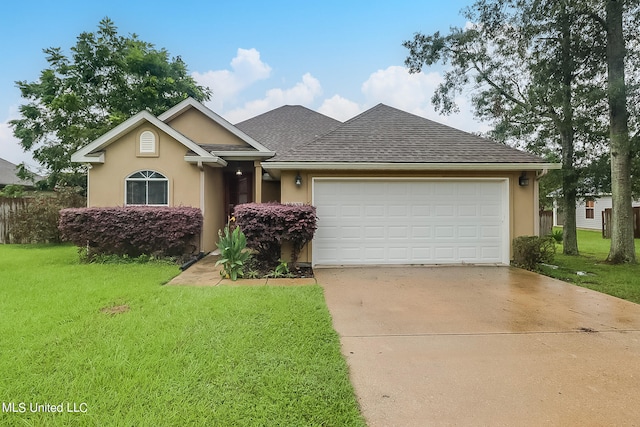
(385, 132)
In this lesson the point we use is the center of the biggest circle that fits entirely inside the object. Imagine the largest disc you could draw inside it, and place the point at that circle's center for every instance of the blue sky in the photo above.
(336, 57)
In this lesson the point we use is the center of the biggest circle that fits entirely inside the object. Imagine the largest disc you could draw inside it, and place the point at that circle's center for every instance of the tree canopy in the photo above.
(538, 73)
(106, 79)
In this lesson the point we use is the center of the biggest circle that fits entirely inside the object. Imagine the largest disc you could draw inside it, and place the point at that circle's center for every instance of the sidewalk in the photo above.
(206, 273)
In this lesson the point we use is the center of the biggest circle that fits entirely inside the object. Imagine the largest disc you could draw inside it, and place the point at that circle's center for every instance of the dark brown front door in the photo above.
(238, 190)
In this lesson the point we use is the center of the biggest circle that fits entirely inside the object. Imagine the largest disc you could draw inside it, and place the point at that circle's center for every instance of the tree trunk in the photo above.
(569, 185)
(622, 244)
(565, 126)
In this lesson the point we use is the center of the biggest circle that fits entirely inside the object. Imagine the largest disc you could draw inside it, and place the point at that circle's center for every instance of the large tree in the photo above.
(539, 73)
(530, 77)
(106, 79)
(622, 243)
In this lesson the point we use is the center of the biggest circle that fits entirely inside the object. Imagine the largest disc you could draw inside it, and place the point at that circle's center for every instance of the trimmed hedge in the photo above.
(529, 251)
(133, 230)
(268, 225)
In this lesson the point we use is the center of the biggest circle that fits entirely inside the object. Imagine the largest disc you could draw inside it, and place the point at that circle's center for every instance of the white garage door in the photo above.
(399, 221)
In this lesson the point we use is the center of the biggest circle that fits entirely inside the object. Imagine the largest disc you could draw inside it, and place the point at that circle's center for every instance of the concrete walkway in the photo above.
(486, 346)
(206, 273)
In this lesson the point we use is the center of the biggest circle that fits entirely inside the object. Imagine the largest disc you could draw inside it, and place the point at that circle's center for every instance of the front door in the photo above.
(238, 190)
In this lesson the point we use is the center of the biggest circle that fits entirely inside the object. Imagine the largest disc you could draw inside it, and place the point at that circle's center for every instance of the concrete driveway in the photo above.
(488, 346)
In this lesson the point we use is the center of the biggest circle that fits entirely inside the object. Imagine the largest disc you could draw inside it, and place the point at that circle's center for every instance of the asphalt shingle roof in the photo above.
(8, 174)
(286, 127)
(385, 134)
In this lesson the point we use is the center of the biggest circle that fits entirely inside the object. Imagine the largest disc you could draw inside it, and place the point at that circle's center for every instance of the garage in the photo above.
(411, 221)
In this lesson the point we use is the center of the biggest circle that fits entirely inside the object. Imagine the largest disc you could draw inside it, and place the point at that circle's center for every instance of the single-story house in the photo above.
(588, 211)
(9, 175)
(389, 187)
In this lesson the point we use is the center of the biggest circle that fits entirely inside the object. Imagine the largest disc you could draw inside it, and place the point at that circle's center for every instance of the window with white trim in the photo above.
(147, 188)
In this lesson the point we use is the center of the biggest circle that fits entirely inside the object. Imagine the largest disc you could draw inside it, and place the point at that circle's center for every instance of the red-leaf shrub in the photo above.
(267, 225)
(133, 230)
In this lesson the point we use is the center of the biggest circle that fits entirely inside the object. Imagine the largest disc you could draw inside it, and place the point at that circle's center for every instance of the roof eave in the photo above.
(239, 155)
(275, 165)
(89, 158)
(211, 161)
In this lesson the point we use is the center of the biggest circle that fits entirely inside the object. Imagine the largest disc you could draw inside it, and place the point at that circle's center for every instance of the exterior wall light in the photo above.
(239, 172)
(523, 181)
(298, 180)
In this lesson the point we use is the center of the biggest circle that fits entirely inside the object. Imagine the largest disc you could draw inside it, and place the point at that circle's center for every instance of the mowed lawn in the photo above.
(622, 281)
(111, 343)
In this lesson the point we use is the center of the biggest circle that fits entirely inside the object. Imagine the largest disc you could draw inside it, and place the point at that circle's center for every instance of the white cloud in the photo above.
(396, 87)
(246, 69)
(10, 148)
(339, 108)
(304, 92)
(393, 86)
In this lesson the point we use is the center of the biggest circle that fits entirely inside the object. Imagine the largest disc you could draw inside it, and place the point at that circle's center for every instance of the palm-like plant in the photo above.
(233, 252)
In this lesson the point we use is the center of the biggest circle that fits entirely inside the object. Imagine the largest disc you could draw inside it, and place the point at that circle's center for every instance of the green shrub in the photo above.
(12, 191)
(38, 221)
(159, 231)
(529, 251)
(233, 252)
(268, 225)
(281, 270)
(557, 236)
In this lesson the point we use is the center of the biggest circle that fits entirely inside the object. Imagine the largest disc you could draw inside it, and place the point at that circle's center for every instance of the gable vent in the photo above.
(147, 142)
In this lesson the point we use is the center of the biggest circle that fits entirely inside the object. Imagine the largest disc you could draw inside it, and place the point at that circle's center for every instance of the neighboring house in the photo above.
(8, 175)
(589, 211)
(390, 187)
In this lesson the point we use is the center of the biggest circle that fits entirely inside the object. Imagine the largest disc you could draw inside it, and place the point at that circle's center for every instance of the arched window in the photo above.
(147, 188)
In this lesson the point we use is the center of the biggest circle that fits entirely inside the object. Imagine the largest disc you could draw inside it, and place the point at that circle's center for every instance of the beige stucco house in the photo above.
(390, 187)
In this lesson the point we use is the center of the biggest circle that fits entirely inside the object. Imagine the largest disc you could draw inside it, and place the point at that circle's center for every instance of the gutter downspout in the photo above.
(202, 209)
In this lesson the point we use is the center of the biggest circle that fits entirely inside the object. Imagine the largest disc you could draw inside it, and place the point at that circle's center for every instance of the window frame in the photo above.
(147, 176)
(589, 209)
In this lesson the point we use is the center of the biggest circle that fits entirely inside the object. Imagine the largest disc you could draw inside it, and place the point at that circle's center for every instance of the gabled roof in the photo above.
(189, 103)
(288, 126)
(92, 153)
(8, 174)
(386, 135)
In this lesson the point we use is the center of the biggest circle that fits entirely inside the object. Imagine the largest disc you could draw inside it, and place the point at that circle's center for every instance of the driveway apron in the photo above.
(492, 346)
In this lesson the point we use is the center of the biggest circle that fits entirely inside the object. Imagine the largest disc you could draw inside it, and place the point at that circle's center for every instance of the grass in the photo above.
(112, 341)
(622, 281)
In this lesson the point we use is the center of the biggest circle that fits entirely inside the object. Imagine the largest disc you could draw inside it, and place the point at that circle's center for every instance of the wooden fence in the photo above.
(7, 207)
(606, 223)
(546, 223)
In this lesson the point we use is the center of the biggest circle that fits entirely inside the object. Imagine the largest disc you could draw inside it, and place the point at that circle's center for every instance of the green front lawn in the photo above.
(622, 281)
(112, 343)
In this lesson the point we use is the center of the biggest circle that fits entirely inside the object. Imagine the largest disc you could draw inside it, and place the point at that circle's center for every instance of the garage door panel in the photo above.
(490, 232)
(445, 210)
(399, 232)
(445, 232)
(410, 221)
(398, 211)
(420, 231)
(444, 253)
(398, 253)
(468, 232)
